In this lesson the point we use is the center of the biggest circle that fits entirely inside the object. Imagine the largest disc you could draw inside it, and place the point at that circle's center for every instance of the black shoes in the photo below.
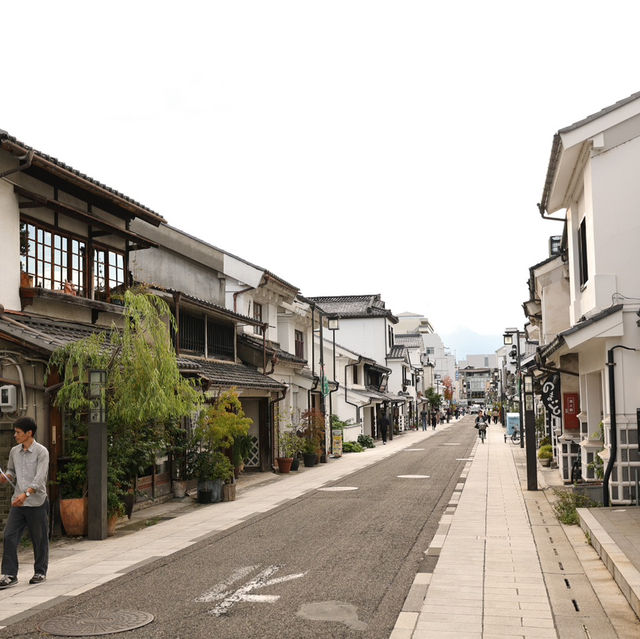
(7, 581)
(37, 579)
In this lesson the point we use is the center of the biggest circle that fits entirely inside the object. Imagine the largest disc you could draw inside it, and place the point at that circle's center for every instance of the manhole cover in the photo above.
(103, 623)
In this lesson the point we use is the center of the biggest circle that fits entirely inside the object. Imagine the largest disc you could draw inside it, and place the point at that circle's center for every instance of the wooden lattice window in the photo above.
(54, 260)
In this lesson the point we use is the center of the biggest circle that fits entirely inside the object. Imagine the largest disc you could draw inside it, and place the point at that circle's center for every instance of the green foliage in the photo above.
(566, 504)
(352, 447)
(434, 399)
(545, 452)
(339, 424)
(309, 446)
(366, 441)
(144, 394)
(221, 423)
(597, 466)
(545, 441)
(290, 443)
(242, 446)
(208, 464)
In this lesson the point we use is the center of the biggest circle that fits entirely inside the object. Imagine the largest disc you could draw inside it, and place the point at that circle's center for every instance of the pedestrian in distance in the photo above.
(26, 471)
(481, 425)
(384, 426)
(423, 418)
(434, 419)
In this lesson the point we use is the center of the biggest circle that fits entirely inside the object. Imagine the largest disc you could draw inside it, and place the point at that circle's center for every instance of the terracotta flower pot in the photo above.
(75, 516)
(284, 464)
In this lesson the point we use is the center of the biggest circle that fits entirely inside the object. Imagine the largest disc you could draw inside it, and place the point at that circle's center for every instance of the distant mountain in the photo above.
(466, 342)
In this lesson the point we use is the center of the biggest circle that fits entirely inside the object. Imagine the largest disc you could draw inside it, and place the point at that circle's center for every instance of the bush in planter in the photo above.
(352, 447)
(545, 452)
(366, 441)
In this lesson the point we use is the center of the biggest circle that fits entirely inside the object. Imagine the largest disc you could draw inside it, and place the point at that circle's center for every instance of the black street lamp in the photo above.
(333, 324)
(508, 341)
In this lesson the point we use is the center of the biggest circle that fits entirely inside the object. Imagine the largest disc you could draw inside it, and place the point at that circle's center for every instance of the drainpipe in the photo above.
(235, 296)
(21, 167)
(613, 434)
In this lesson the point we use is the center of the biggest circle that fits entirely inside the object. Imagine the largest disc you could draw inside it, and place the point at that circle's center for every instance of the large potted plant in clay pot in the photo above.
(72, 480)
(289, 446)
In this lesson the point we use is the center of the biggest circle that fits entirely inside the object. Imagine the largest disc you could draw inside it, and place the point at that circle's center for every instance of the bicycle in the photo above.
(515, 436)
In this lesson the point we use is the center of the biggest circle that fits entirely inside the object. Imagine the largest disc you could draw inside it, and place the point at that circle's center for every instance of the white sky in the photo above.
(347, 146)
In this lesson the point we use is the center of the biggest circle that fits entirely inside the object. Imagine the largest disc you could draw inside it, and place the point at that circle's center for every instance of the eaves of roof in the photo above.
(43, 334)
(54, 166)
(272, 348)
(228, 374)
(245, 319)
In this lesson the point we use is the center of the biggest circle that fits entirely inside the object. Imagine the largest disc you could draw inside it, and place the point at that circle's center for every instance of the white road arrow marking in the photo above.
(228, 598)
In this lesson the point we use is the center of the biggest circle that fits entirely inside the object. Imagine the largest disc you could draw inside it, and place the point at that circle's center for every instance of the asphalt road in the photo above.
(328, 564)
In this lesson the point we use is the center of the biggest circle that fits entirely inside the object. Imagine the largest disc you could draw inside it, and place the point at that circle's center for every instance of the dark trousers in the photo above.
(36, 519)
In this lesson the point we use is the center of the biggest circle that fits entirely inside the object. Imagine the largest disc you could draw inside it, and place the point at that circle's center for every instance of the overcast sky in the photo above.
(349, 147)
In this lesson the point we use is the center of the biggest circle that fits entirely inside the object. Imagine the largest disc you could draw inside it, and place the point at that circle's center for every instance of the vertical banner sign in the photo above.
(551, 395)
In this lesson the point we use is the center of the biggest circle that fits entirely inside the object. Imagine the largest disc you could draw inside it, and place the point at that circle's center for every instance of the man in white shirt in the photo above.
(28, 468)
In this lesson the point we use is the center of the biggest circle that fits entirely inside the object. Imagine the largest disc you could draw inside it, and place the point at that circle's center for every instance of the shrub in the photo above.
(366, 441)
(545, 452)
(545, 441)
(566, 504)
(352, 447)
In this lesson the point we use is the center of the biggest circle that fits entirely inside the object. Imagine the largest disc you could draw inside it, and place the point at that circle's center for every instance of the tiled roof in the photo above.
(42, 159)
(43, 333)
(410, 340)
(354, 306)
(397, 351)
(272, 348)
(599, 114)
(230, 374)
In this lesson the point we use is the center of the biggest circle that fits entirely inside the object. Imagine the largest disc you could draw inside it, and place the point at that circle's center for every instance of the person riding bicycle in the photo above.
(481, 425)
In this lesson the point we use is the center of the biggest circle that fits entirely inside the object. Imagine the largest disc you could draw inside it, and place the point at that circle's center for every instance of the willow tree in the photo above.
(145, 394)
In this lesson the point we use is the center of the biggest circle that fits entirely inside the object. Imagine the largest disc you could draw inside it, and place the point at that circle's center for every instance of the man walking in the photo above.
(384, 425)
(423, 418)
(27, 471)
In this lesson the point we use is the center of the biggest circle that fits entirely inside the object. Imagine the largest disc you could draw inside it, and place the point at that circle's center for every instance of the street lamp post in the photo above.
(508, 341)
(333, 325)
(530, 426)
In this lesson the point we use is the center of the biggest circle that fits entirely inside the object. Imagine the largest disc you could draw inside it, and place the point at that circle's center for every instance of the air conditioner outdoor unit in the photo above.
(8, 398)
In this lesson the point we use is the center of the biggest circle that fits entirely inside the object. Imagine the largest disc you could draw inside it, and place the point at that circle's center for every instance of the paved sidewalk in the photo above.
(488, 581)
(81, 565)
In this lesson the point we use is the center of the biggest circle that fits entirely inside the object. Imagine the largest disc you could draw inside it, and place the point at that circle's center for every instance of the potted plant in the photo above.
(72, 479)
(545, 454)
(309, 452)
(289, 446)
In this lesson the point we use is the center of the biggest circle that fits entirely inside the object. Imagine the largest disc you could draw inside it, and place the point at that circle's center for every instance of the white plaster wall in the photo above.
(9, 248)
(616, 221)
(365, 336)
(170, 270)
